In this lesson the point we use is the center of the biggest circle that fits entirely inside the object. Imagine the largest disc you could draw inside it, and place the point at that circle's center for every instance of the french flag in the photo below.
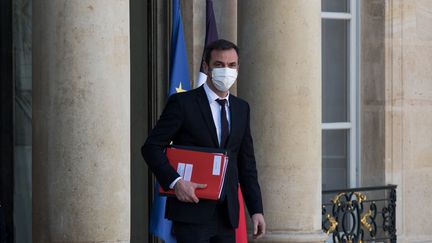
(211, 35)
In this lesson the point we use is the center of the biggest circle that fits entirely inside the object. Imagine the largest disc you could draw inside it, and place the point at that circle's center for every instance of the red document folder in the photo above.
(199, 165)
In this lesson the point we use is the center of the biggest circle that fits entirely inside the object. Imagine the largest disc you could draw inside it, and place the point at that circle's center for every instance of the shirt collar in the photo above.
(212, 96)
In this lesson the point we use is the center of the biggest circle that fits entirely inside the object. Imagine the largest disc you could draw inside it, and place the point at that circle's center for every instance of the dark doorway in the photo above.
(6, 123)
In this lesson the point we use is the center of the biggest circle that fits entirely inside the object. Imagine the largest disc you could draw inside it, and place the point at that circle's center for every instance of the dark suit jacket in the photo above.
(187, 120)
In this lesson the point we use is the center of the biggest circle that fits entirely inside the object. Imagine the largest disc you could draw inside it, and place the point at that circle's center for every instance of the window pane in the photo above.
(334, 159)
(335, 70)
(335, 6)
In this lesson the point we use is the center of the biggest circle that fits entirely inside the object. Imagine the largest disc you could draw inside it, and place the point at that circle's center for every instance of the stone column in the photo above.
(194, 23)
(226, 20)
(81, 121)
(280, 77)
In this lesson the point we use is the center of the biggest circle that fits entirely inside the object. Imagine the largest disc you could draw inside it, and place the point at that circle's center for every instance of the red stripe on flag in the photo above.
(241, 233)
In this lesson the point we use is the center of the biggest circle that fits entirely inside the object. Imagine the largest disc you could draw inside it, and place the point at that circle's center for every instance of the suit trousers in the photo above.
(216, 230)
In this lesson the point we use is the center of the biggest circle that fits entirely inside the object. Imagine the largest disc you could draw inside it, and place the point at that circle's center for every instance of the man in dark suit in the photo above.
(208, 116)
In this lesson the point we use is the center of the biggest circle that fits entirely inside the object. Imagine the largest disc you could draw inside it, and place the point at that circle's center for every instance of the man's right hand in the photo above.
(185, 190)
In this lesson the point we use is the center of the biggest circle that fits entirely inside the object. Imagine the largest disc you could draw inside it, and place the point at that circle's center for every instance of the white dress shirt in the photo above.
(216, 113)
(216, 109)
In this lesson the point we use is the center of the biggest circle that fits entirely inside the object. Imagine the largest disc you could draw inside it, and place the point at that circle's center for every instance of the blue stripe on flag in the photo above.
(179, 82)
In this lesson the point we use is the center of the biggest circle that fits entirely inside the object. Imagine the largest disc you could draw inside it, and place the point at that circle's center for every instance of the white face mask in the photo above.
(223, 78)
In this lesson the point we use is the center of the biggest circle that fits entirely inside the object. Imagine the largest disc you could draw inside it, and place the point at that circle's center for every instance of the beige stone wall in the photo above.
(408, 111)
(372, 92)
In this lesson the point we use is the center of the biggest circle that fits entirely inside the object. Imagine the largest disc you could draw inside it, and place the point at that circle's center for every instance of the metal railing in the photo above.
(358, 215)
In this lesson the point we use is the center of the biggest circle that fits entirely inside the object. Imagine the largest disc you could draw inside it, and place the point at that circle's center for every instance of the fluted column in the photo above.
(280, 76)
(81, 121)
(226, 20)
(194, 23)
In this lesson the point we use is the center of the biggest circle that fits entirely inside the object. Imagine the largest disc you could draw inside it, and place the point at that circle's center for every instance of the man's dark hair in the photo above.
(219, 45)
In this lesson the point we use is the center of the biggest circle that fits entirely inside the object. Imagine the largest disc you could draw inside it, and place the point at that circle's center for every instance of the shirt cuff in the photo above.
(171, 186)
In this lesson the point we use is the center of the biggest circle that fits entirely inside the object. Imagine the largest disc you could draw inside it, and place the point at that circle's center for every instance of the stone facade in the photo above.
(408, 112)
(87, 81)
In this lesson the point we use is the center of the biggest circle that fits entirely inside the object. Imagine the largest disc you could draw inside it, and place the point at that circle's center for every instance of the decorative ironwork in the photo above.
(389, 215)
(332, 224)
(352, 217)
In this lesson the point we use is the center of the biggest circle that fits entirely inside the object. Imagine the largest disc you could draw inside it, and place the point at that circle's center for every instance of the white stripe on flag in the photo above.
(202, 78)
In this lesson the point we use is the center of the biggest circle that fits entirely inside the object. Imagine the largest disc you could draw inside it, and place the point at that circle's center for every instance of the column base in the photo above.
(294, 237)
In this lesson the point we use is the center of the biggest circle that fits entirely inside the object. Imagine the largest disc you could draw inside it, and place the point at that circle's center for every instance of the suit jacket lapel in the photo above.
(207, 115)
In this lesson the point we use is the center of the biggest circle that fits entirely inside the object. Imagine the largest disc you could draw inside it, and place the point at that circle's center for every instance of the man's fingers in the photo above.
(200, 186)
(182, 198)
(255, 223)
(258, 235)
(194, 198)
(186, 199)
(259, 226)
(261, 231)
(186, 192)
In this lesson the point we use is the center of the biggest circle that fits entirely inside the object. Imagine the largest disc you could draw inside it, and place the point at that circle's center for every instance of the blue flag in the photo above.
(159, 225)
(179, 71)
(179, 82)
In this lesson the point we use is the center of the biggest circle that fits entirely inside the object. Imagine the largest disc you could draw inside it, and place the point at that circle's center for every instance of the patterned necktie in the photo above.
(224, 123)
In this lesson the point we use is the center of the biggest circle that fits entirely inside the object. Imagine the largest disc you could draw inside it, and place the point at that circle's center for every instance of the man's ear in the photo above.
(205, 67)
